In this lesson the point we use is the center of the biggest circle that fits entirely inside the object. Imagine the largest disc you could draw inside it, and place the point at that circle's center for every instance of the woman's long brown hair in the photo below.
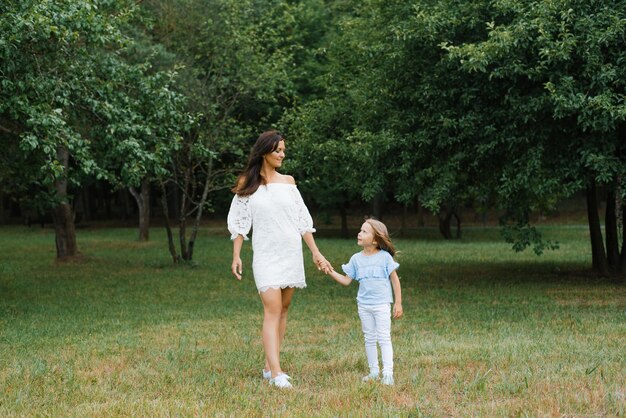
(250, 179)
(381, 236)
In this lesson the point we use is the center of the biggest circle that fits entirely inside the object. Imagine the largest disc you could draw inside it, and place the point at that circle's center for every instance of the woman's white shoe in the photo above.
(267, 374)
(281, 381)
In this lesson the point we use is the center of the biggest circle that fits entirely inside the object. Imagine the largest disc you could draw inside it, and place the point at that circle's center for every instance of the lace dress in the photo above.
(279, 217)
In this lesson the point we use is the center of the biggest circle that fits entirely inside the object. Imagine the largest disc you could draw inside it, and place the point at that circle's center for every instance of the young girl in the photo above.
(375, 270)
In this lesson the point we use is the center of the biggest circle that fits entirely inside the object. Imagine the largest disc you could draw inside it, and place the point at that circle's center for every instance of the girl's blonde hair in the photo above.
(381, 236)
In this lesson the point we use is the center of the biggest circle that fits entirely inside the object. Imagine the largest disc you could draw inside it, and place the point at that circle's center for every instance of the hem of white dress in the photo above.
(235, 235)
(282, 286)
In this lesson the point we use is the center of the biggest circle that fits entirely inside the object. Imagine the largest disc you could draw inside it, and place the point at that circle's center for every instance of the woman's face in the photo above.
(365, 238)
(275, 158)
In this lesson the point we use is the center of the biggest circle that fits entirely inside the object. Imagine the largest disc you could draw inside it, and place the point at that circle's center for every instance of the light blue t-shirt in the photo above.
(372, 272)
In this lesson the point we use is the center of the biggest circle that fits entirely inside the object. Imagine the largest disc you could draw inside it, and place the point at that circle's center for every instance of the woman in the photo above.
(271, 203)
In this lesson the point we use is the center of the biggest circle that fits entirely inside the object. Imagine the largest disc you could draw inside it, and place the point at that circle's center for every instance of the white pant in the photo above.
(376, 323)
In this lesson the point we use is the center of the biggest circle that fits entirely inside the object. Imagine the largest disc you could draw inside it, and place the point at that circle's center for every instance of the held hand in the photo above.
(328, 268)
(397, 310)
(237, 268)
(321, 263)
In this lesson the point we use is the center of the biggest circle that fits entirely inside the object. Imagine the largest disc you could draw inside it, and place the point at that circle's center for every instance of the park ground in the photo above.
(487, 332)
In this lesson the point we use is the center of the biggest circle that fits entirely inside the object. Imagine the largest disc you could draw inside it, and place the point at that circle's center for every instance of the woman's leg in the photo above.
(286, 295)
(368, 325)
(275, 305)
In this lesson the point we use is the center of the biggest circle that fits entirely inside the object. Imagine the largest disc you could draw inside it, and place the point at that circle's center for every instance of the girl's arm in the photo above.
(319, 260)
(339, 278)
(397, 294)
(237, 266)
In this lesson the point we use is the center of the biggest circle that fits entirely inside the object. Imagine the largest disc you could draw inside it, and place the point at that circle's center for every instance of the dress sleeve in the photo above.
(303, 219)
(239, 217)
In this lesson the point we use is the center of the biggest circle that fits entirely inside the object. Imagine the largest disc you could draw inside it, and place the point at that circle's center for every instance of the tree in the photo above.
(237, 81)
(60, 69)
(342, 141)
(562, 65)
(516, 104)
(144, 119)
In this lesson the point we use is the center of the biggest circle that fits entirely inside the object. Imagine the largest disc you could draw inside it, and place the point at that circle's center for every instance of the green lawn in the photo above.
(486, 332)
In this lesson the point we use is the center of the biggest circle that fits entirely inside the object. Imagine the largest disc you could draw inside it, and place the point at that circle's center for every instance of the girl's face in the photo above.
(275, 158)
(365, 238)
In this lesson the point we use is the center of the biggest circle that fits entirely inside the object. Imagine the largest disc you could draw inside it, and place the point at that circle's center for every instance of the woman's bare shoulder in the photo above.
(284, 178)
(241, 182)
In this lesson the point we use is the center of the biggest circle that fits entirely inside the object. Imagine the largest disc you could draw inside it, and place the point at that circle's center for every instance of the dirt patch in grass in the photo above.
(590, 296)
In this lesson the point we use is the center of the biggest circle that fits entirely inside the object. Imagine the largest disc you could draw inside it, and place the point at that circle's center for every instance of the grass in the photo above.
(486, 332)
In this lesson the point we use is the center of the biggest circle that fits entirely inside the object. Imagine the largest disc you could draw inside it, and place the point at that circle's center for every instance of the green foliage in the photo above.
(66, 85)
(236, 61)
(508, 103)
(511, 104)
(561, 73)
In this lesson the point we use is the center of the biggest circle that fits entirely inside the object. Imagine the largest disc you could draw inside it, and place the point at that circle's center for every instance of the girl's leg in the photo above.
(272, 308)
(287, 294)
(368, 325)
(382, 315)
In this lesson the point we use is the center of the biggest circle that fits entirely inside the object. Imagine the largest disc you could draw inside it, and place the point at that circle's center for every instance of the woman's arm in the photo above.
(397, 294)
(237, 266)
(318, 258)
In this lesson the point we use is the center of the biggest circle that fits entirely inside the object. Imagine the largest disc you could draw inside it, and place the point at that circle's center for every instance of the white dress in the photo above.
(279, 217)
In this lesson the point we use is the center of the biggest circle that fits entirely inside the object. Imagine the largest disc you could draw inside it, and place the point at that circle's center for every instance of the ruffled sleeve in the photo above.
(391, 264)
(302, 217)
(239, 217)
(350, 269)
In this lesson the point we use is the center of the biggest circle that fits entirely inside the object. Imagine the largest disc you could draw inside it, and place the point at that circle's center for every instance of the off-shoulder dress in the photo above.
(278, 218)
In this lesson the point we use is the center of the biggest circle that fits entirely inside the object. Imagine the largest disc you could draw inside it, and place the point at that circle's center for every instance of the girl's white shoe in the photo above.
(370, 377)
(281, 381)
(267, 374)
(387, 379)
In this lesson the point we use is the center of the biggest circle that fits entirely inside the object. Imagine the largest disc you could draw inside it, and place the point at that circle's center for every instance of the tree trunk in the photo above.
(420, 214)
(344, 220)
(610, 226)
(168, 229)
(445, 216)
(457, 216)
(182, 219)
(65, 232)
(405, 211)
(2, 209)
(621, 204)
(622, 258)
(143, 204)
(377, 206)
(599, 261)
(196, 223)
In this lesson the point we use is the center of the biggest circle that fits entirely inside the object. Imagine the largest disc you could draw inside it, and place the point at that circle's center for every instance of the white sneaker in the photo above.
(387, 379)
(281, 381)
(267, 374)
(370, 377)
